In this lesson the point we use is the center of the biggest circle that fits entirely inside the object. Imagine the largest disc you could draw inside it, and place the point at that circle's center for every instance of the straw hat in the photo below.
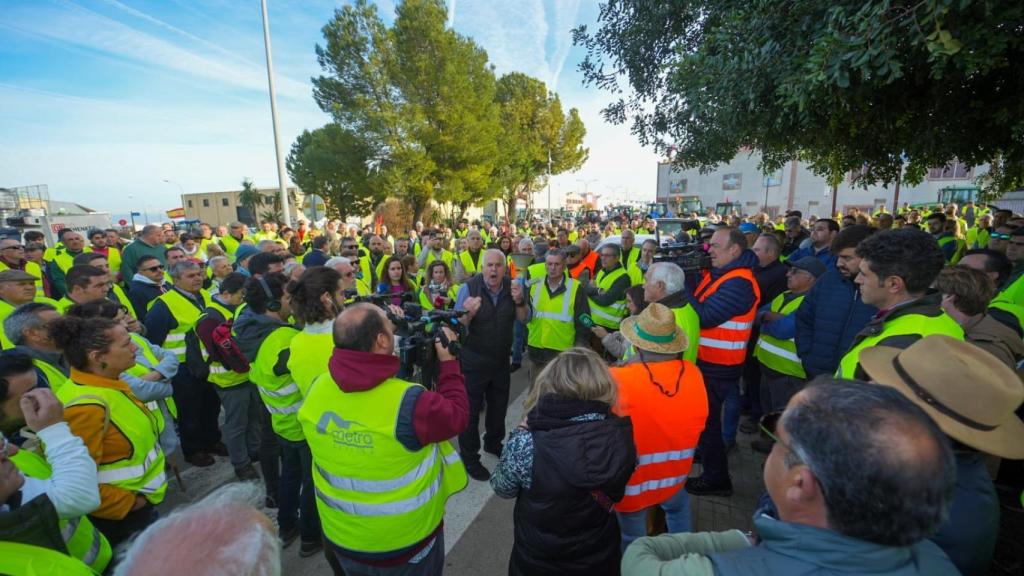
(655, 330)
(969, 393)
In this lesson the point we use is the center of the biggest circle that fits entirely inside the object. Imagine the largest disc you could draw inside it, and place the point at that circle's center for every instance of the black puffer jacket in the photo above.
(564, 525)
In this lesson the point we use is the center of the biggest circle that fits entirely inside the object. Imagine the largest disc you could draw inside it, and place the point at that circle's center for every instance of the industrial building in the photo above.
(742, 183)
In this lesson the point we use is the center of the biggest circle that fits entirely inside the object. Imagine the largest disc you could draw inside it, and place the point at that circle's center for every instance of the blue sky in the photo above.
(104, 99)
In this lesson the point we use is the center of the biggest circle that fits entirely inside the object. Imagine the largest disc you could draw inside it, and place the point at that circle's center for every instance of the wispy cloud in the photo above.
(79, 26)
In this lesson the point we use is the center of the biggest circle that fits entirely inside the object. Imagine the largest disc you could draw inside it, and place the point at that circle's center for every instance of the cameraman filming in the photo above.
(367, 429)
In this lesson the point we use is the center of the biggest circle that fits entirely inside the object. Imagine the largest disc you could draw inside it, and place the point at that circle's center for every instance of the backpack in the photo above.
(224, 349)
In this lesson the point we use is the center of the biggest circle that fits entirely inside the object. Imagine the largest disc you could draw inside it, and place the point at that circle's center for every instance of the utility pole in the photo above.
(550, 213)
(287, 217)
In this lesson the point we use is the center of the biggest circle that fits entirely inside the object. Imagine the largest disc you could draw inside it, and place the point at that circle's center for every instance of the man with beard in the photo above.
(833, 313)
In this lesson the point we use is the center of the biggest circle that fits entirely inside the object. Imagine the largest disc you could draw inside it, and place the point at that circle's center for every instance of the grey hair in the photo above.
(494, 252)
(526, 244)
(262, 245)
(669, 274)
(875, 455)
(149, 229)
(216, 260)
(336, 260)
(220, 532)
(181, 267)
(24, 318)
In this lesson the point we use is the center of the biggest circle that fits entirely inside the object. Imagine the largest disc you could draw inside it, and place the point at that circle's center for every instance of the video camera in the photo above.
(419, 330)
(687, 255)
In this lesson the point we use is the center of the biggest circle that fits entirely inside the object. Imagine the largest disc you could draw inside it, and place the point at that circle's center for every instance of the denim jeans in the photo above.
(296, 501)
(711, 446)
(518, 342)
(633, 525)
(429, 562)
(241, 430)
(731, 418)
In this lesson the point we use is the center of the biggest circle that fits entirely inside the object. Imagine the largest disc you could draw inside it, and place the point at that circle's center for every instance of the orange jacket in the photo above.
(726, 344)
(86, 422)
(668, 416)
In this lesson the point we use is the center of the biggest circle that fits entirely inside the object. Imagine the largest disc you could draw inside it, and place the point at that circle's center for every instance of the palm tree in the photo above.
(250, 197)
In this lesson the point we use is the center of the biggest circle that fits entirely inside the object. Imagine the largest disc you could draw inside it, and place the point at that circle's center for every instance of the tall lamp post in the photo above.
(273, 115)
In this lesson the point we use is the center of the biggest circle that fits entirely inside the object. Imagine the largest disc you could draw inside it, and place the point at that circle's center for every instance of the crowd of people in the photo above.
(875, 357)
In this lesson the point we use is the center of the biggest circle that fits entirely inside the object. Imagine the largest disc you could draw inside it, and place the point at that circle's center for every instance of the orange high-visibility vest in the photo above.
(665, 428)
(726, 344)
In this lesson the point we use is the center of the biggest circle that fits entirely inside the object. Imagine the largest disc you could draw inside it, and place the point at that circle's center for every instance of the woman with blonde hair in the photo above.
(567, 464)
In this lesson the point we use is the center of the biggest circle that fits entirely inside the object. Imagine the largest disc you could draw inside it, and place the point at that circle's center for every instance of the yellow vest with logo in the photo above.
(185, 313)
(553, 326)
(903, 325)
(143, 472)
(140, 370)
(373, 494)
(280, 393)
(309, 357)
(220, 375)
(82, 539)
(776, 353)
(608, 316)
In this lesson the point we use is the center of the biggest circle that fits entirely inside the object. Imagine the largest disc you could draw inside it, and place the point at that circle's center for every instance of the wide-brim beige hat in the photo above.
(655, 330)
(968, 392)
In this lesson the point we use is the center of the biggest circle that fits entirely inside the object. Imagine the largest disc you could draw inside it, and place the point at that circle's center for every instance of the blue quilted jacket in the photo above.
(827, 321)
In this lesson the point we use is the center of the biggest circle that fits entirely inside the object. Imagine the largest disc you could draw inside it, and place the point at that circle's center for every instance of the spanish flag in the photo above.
(176, 213)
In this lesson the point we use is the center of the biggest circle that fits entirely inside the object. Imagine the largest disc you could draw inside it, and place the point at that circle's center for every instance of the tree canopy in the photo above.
(419, 106)
(883, 86)
(333, 163)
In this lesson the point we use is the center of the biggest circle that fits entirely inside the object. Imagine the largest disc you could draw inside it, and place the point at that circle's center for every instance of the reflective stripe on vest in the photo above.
(552, 326)
(611, 315)
(726, 344)
(776, 353)
(219, 374)
(902, 325)
(81, 537)
(142, 472)
(186, 313)
(280, 394)
(374, 494)
(665, 430)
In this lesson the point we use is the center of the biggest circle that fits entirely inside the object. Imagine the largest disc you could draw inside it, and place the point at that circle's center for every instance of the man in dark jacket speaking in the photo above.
(832, 313)
(725, 301)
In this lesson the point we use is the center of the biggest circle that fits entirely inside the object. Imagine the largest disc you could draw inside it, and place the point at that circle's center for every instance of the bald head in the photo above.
(221, 534)
(364, 327)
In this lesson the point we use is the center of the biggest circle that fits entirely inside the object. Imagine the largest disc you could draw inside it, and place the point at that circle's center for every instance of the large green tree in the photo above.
(534, 129)
(336, 164)
(886, 86)
(420, 95)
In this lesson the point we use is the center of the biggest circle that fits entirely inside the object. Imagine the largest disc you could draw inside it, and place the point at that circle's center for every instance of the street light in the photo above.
(273, 116)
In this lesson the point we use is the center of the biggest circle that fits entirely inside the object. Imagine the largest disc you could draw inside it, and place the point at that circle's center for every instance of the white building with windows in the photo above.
(795, 187)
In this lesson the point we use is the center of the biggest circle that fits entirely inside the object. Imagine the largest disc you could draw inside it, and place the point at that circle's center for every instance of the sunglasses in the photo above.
(153, 268)
(999, 236)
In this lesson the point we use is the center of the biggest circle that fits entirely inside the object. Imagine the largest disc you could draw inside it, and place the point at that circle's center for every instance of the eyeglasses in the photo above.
(153, 268)
(999, 236)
